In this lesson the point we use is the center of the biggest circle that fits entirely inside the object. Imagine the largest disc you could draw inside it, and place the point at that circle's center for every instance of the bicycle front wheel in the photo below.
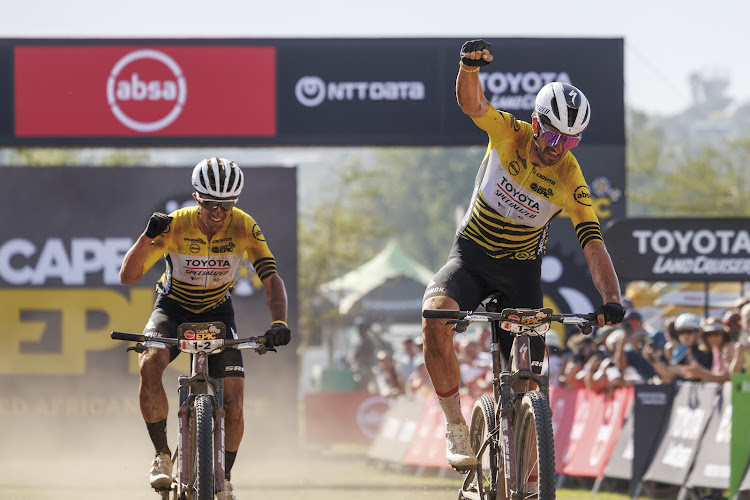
(535, 448)
(204, 448)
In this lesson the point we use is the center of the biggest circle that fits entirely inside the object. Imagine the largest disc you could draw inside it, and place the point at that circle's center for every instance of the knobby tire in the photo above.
(204, 448)
(535, 448)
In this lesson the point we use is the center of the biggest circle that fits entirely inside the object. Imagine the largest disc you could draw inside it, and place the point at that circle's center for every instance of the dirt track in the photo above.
(296, 474)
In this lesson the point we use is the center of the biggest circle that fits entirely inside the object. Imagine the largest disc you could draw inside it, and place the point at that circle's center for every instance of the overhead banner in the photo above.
(286, 91)
(681, 249)
(140, 91)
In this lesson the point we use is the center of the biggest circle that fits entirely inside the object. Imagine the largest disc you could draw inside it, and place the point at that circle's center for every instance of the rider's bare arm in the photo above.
(276, 297)
(603, 272)
(469, 91)
(132, 265)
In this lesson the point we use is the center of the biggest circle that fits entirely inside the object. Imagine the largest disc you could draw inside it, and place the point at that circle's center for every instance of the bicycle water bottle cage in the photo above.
(533, 322)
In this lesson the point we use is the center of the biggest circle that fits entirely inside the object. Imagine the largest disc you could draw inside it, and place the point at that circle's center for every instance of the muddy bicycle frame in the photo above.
(199, 340)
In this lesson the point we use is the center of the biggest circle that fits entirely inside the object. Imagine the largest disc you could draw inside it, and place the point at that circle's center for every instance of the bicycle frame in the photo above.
(200, 340)
(496, 417)
(199, 382)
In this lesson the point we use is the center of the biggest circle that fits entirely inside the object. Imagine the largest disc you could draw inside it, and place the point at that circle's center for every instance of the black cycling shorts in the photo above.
(168, 314)
(470, 276)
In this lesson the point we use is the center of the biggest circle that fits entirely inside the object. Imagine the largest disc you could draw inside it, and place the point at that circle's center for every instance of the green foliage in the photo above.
(427, 191)
(337, 233)
(687, 180)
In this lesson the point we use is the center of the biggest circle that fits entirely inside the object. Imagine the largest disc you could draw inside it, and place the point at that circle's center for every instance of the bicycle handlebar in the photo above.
(444, 314)
(462, 318)
(231, 343)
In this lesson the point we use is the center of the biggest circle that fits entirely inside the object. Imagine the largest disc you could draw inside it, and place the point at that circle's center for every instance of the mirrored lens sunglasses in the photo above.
(225, 205)
(553, 138)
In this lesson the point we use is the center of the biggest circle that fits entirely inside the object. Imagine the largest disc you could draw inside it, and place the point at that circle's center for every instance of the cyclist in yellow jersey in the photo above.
(527, 176)
(202, 246)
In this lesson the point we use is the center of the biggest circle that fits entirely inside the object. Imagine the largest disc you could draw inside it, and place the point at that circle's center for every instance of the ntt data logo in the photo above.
(312, 91)
(146, 90)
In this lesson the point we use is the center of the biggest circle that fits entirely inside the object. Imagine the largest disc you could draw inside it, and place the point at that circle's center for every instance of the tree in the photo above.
(336, 233)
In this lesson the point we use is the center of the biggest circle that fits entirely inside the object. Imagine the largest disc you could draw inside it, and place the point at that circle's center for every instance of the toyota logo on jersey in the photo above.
(146, 90)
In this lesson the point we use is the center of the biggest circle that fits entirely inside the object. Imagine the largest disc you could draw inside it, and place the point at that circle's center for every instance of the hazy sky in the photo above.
(665, 40)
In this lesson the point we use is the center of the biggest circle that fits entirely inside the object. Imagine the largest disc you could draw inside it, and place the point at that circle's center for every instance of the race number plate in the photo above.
(529, 321)
(201, 337)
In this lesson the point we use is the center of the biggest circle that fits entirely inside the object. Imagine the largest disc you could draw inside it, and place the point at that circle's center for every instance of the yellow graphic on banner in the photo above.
(69, 308)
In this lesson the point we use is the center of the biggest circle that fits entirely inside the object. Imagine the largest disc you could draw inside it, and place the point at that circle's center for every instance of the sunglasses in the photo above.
(553, 138)
(225, 205)
(689, 330)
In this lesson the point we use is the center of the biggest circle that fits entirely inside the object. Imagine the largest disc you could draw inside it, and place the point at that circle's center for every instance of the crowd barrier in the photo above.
(685, 435)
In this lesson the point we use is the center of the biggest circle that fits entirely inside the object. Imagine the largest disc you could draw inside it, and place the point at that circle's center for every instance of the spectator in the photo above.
(405, 360)
(580, 350)
(419, 383)
(475, 367)
(731, 320)
(714, 341)
(672, 339)
(388, 378)
(688, 328)
(628, 356)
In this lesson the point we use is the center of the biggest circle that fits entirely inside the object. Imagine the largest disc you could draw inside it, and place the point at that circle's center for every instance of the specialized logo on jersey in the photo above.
(146, 90)
(509, 198)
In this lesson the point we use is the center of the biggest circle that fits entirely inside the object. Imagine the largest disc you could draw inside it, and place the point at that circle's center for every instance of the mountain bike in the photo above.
(511, 431)
(198, 460)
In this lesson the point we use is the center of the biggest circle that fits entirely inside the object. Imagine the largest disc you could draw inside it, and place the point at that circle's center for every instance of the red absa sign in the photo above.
(74, 91)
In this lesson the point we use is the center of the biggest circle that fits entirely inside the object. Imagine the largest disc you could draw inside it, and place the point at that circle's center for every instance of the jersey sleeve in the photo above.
(257, 249)
(579, 206)
(501, 126)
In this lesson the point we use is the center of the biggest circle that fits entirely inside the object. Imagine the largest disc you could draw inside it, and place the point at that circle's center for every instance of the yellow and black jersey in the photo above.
(200, 273)
(514, 201)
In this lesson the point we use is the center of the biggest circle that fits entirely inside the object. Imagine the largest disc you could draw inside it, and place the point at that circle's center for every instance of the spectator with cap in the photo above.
(628, 357)
(714, 341)
(688, 328)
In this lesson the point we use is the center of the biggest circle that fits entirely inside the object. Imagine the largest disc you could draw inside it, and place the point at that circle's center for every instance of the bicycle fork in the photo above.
(186, 401)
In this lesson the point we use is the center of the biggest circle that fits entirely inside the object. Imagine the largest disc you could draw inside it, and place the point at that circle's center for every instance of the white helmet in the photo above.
(218, 177)
(564, 107)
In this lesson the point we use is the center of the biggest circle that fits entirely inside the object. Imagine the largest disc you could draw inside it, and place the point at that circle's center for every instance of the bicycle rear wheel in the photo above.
(535, 448)
(489, 480)
(204, 449)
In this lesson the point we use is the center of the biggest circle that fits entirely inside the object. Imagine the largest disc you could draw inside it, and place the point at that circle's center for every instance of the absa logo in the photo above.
(146, 90)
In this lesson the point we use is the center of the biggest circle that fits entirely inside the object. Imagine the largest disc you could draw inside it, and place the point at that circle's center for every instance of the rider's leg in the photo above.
(234, 394)
(155, 408)
(442, 365)
(152, 397)
(440, 358)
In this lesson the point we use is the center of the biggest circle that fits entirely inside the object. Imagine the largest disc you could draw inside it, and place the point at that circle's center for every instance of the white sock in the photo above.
(451, 406)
